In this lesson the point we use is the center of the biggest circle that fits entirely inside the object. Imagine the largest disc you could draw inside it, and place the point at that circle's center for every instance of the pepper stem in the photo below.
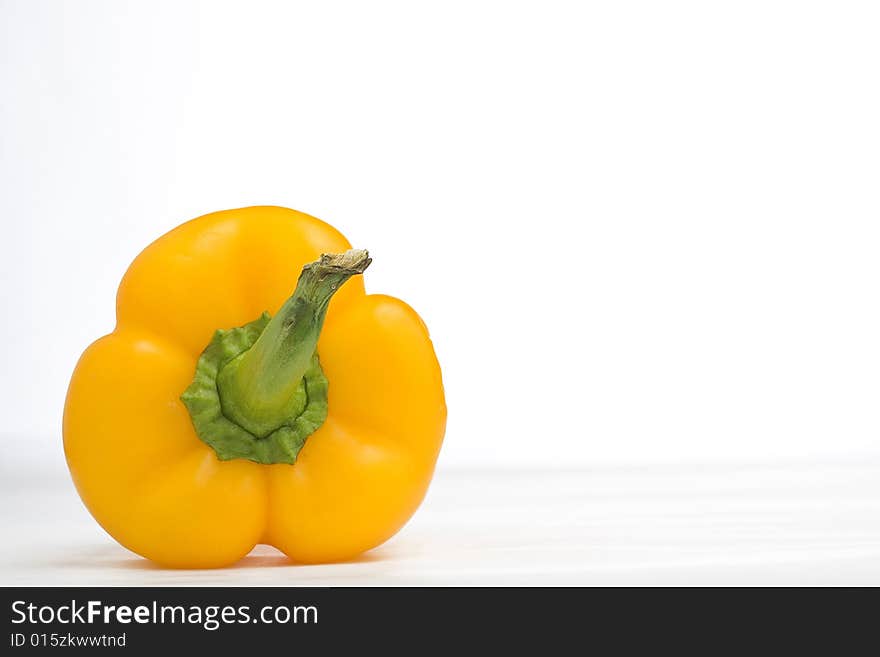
(258, 388)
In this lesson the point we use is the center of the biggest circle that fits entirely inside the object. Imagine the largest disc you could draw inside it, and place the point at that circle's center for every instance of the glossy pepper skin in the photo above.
(162, 492)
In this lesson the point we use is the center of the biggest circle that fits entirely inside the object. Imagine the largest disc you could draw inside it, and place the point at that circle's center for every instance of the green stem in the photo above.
(258, 388)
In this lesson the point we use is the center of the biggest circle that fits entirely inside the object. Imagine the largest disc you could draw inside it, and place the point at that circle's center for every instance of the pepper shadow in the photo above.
(261, 557)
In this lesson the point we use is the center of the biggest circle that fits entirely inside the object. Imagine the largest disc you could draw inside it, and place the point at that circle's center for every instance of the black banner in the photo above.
(416, 619)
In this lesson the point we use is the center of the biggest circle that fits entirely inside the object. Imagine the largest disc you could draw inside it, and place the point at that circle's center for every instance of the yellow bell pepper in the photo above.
(314, 429)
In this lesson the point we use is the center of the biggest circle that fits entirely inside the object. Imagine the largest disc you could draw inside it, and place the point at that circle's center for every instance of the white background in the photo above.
(638, 231)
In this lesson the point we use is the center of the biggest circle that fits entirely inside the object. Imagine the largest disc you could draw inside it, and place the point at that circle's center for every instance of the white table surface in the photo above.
(797, 524)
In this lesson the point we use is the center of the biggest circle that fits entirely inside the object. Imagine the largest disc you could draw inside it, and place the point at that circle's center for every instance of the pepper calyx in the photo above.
(228, 439)
(259, 390)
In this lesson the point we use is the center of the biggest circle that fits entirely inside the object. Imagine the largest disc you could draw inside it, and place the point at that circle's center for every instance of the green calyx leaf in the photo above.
(227, 438)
